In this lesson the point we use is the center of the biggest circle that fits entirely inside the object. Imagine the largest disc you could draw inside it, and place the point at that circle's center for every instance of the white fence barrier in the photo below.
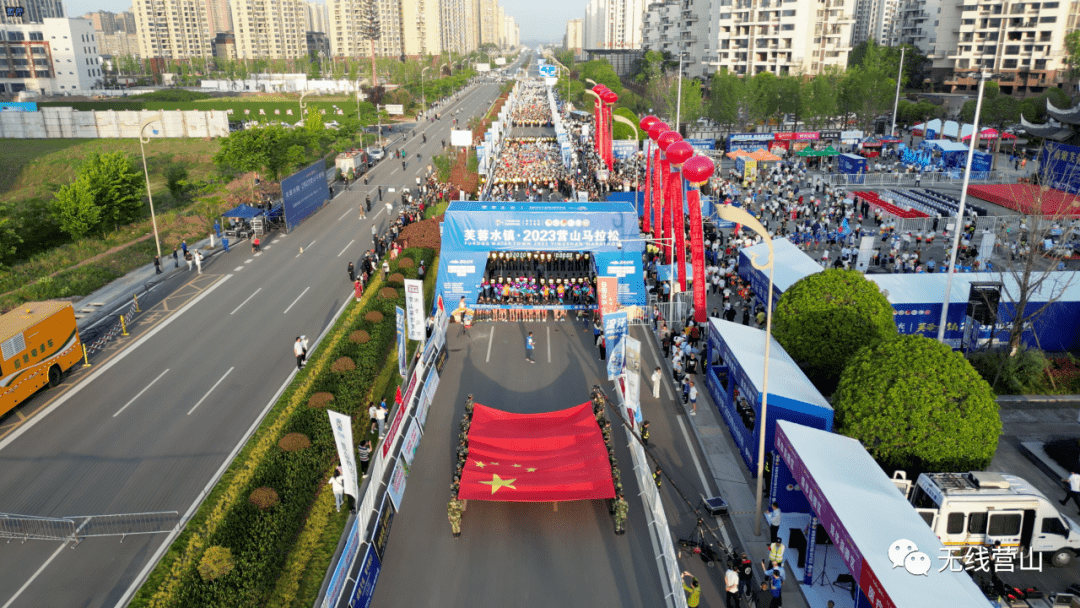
(55, 122)
(908, 179)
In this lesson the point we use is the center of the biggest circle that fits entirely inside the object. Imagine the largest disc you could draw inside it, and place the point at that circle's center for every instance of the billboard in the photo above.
(500, 61)
(18, 106)
(1060, 167)
(483, 67)
(364, 590)
(546, 70)
(624, 148)
(395, 109)
(459, 137)
(702, 144)
(304, 193)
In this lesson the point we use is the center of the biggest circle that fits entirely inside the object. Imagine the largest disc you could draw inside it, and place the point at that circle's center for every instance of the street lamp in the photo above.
(959, 227)
(143, 139)
(423, 95)
(637, 140)
(896, 102)
(741, 216)
(678, 96)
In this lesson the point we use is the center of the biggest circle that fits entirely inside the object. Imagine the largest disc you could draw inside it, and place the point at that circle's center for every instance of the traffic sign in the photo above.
(547, 70)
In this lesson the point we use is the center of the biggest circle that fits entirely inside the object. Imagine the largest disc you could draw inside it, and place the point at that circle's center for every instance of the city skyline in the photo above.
(545, 21)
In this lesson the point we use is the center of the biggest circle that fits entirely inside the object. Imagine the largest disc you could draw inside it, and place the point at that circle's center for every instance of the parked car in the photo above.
(375, 153)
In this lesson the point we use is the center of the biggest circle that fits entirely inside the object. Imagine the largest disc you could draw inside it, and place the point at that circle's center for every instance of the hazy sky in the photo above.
(544, 20)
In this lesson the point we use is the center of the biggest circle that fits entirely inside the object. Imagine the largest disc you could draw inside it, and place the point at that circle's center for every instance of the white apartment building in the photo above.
(317, 20)
(574, 40)
(420, 27)
(454, 26)
(512, 32)
(674, 26)
(219, 16)
(1022, 43)
(56, 57)
(613, 24)
(270, 29)
(798, 37)
(873, 21)
(172, 29)
(345, 20)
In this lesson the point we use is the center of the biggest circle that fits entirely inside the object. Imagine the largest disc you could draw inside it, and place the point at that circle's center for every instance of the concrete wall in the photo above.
(61, 122)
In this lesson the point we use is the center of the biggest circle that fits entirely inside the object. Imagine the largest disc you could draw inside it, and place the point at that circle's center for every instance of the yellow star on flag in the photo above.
(480, 464)
(517, 466)
(530, 470)
(498, 482)
(494, 464)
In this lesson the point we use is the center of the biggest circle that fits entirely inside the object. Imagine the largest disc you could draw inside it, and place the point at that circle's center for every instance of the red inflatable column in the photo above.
(657, 193)
(697, 254)
(678, 225)
(665, 209)
(647, 191)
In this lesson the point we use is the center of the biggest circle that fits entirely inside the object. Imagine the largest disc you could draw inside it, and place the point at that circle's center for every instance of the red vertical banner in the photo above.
(678, 226)
(657, 191)
(647, 190)
(608, 290)
(598, 137)
(697, 254)
(665, 176)
(609, 138)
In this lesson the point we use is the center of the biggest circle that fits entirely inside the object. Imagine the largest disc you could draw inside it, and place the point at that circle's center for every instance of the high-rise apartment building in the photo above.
(31, 11)
(454, 25)
(489, 24)
(802, 36)
(115, 33)
(172, 29)
(345, 19)
(219, 16)
(421, 32)
(674, 26)
(513, 34)
(266, 29)
(573, 40)
(613, 24)
(873, 21)
(317, 20)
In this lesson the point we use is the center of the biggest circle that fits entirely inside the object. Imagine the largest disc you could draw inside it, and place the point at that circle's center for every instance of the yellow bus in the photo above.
(39, 341)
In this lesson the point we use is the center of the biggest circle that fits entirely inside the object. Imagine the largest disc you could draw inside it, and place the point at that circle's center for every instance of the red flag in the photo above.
(598, 139)
(648, 190)
(678, 226)
(608, 289)
(665, 172)
(536, 457)
(657, 183)
(697, 254)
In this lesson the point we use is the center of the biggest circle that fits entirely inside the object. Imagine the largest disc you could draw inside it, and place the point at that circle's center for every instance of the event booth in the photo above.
(917, 298)
(790, 265)
(734, 374)
(594, 239)
(834, 498)
(851, 164)
(953, 154)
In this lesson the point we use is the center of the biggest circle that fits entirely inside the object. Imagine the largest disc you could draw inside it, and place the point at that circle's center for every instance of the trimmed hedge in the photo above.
(261, 541)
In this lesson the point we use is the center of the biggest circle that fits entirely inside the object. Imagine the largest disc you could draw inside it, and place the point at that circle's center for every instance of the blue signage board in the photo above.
(18, 106)
(624, 148)
(546, 70)
(345, 563)
(1060, 167)
(366, 578)
(473, 229)
(615, 337)
(304, 193)
(981, 161)
(702, 144)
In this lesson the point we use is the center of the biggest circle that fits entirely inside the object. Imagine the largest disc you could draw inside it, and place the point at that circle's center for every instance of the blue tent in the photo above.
(243, 212)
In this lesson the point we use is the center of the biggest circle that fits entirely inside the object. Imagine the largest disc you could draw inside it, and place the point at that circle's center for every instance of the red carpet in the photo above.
(1029, 199)
(536, 457)
(887, 207)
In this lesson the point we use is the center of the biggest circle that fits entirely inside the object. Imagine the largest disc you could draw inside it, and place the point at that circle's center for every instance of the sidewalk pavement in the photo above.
(136, 282)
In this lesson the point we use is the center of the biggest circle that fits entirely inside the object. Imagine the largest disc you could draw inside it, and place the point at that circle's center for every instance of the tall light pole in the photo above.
(896, 102)
(625, 120)
(678, 97)
(959, 227)
(740, 216)
(143, 139)
(423, 95)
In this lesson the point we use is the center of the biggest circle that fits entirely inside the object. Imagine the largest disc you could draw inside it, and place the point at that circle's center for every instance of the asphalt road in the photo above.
(148, 428)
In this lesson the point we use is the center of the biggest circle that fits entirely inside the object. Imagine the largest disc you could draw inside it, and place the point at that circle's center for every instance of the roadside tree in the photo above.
(825, 318)
(75, 209)
(117, 186)
(916, 404)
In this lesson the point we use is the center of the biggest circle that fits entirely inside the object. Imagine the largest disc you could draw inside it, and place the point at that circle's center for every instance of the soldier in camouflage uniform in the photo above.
(621, 510)
(453, 512)
(469, 405)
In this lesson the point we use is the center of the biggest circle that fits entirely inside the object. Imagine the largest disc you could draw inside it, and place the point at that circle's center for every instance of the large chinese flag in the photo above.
(536, 457)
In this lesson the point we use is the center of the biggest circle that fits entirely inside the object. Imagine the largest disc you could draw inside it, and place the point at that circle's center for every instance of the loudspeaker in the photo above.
(983, 300)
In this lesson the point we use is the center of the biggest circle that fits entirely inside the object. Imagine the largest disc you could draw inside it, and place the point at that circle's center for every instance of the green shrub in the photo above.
(1022, 374)
(216, 562)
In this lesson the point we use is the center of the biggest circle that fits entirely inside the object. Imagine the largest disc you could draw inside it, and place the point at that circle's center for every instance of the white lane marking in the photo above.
(248, 261)
(549, 342)
(381, 209)
(199, 402)
(343, 216)
(139, 394)
(245, 301)
(238, 269)
(265, 247)
(36, 574)
(152, 562)
(297, 299)
(491, 337)
(701, 475)
(346, 248)
(260, 253)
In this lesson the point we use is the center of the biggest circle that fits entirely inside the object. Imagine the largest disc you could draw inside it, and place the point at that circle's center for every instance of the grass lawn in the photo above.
(36, 168)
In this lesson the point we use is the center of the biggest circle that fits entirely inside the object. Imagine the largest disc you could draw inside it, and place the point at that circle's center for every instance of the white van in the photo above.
(982, 509)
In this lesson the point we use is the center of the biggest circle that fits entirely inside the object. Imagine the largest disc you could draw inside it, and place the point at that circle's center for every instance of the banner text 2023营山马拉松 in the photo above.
(472, 230)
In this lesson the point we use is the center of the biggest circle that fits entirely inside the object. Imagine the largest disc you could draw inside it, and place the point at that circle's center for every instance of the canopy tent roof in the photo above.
(547, 457)
(738, 153)
(830, 151)
(933, 125)
(945, 145)
(948, 128)
(786, 380)
(791, 263)
(991, 133)
(243, 212)
(930, 288)
(762, 155)
(808, 152)
(852, 497)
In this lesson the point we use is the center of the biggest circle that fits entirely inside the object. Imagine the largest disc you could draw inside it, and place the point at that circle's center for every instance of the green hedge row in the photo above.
(260, 541)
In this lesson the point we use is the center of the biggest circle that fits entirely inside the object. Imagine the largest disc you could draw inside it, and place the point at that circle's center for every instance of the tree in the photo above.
(763, 92)
(689, 103)
(914, 403)
(75, 208)
(175, 180)
(9, 234)
(621, 130)
(727, 99)
(823, 319)
(117, 186)
(1072, 52)
(272, 149)
(370, 30)
(822, 96)
(792, 101)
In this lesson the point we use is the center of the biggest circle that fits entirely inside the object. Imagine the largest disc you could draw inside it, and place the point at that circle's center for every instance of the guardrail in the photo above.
(908, 179)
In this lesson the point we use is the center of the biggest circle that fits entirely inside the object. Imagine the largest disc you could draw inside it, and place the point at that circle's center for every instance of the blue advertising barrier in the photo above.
(364, 590)
(304, 193)
(624, 148)
(852, 164)
(473, 229)
(345, 563)
(702, 144)
(1060, 167)
(18, 106)
(981, 161)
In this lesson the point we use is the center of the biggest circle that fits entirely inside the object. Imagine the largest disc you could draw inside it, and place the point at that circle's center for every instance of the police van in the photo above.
(984, 509)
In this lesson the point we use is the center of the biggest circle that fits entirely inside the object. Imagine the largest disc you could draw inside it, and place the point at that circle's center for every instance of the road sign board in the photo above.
(547, 70)
(394, 108)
